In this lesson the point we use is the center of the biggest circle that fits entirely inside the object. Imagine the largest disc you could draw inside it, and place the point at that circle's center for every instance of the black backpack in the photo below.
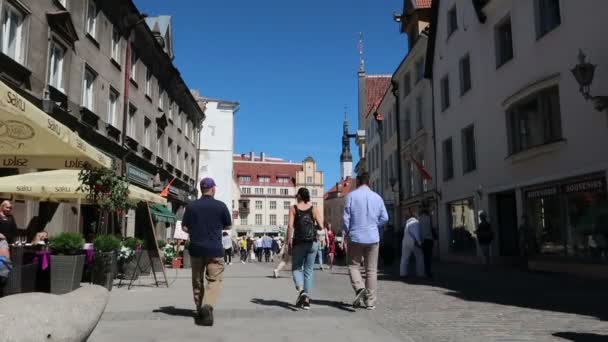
(304, 226)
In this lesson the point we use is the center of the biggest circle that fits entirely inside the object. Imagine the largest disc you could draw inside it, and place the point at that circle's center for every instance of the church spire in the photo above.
(346, 157)
(361, 57)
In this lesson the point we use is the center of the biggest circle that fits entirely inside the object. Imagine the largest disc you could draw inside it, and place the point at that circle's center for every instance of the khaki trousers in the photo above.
(213, 270)
(368, 253)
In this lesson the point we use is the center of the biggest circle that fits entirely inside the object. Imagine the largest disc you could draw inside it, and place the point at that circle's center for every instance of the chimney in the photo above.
(252, 156)
(263, 156)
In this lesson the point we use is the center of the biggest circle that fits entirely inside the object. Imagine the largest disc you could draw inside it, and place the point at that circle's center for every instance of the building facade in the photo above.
(333, 208)
(267, 189)
(217, 145)
(72, 58)
(514, 135)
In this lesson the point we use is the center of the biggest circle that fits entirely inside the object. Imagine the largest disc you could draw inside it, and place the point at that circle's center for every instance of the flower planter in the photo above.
(66, 273)
(176, 263)
(186, 259)
(103, 269)
(129, 268)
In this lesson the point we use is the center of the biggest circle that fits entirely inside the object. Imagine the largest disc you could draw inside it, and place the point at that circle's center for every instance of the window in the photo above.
(419, 70)
(419, 117)
(535, 121)
(56, 67)
(63, 3)
(314, 192)
(88, 89)
(314, 204)
(247, 191)
(407, 125)
(161, 95)
(159, 143)
(272, 191)
(469, 162)
(12, 32)
(149, 83)
(169, 151)
(243, 221)
(309, 180)
(282, 180)
(244, 179)
(116, 46)
(273, 219)
(92, 19)
(448, 161)
(407, 84)
(171, 105)
(258, 205)
(411, 179)
(285, 220)
(178, 158)
(504, 42)
(133, 65)
(425, 182)
(452, 21)
(187, 133)
(113, 108)
(547, 16)
(284, 192)
(273, 204)
(264, 179)
(286, 205)
(147, 133)
(258, 219)
(445, 92)
(465, 74)
(132, 127)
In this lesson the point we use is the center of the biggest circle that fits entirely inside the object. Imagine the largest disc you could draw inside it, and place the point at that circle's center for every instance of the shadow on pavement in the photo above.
(581, 337)
(274, 302)
(334, 304)
(513, 287)
(173, 311)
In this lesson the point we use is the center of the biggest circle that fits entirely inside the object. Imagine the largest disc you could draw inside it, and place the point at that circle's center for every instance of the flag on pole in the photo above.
(165, 191)
(423, 172)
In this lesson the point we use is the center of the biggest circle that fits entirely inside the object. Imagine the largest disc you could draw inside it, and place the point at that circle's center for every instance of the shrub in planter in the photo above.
(106, 251)
(161, 244)
(67, 264)
(127, 257)
(169, 253)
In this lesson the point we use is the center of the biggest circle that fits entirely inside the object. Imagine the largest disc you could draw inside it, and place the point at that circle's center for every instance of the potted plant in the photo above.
(127, 257)
(67, 262)
(169, 253)
(106, 250)
(186, 255)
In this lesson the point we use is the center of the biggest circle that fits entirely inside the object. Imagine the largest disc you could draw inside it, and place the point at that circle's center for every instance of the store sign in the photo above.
(595, 185)
(546, 192)
(139, 176)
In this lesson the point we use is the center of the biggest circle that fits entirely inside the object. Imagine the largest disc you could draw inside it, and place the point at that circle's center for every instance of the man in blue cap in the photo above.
(205, 219)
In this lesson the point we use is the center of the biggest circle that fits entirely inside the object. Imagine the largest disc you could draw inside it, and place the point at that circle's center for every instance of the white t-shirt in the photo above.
(227, 242)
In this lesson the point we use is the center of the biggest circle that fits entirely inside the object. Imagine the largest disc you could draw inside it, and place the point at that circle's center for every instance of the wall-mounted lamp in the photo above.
(583, 73)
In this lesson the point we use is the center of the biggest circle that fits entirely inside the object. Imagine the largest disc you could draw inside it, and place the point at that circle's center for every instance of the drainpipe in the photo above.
(395, 92)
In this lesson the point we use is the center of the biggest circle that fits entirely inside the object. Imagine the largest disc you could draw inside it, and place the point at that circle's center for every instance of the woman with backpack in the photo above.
(304, 221)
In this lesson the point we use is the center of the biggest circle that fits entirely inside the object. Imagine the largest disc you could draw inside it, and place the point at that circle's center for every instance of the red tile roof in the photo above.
(343, 187)
(375, 88)
(272, 170)
(424, 3)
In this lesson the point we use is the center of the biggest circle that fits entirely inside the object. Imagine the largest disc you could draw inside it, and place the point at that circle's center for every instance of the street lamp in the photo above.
(583, 73)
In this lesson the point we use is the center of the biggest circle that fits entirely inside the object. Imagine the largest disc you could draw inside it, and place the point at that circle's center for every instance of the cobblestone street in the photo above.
(462, 304)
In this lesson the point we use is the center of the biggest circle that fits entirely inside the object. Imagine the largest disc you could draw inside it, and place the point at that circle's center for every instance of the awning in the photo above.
(58, 186)
(30, 138)
(162, 214)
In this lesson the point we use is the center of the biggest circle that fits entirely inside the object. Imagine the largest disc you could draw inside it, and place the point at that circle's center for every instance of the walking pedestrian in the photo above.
(205, 219)
(266, 247)
(243, 245)
(285, 259)
(411, 244)
(364, 215)
(331, 244)
(485, 235)
(426, 234)
(276, 248)
(259, 249)
(304, 219)
(227, 244)
(322, 239)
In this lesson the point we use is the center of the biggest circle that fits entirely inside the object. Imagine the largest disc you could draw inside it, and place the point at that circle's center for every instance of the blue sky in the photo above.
(292, 65)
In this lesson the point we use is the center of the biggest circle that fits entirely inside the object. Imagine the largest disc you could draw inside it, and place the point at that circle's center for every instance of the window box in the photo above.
(113, 132)
(146, 153)
(178, 173)
(131, 143)
(89, 117)
(14, 70)
(169, 167)
(58, 97)
(160, 162)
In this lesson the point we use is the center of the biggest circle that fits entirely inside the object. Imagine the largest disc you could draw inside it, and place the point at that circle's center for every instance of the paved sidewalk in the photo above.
(462, 304)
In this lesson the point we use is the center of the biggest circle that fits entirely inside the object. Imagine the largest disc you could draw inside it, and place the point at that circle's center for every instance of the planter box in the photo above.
(129, 269)
(66, 273)
(103, 269)
(186, 260)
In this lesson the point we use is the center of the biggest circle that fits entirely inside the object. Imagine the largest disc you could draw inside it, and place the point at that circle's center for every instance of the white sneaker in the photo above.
(275, 273)
(243, 262)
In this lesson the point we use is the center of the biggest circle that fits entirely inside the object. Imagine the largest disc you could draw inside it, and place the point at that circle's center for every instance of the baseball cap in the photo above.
(207, 183)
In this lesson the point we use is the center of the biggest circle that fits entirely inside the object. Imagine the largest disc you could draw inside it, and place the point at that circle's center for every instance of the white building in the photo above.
(514, 135)
(217, 145)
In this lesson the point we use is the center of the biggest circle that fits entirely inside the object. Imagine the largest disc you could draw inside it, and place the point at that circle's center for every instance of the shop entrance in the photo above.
(507, 224)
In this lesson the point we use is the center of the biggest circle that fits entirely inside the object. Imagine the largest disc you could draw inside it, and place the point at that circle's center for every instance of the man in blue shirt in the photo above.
(364, 214)
(267, 246)
(205, 219)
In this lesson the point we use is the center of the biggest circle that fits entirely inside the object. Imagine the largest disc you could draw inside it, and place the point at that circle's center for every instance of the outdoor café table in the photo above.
(24, 274)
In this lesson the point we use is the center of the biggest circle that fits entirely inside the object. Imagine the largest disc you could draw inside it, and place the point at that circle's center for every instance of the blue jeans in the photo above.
(302, 263)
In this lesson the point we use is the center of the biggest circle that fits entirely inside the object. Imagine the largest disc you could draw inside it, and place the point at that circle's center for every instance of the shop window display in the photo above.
(462, 233)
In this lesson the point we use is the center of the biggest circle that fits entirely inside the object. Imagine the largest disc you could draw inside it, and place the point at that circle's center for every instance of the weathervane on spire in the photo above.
(361, 58)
